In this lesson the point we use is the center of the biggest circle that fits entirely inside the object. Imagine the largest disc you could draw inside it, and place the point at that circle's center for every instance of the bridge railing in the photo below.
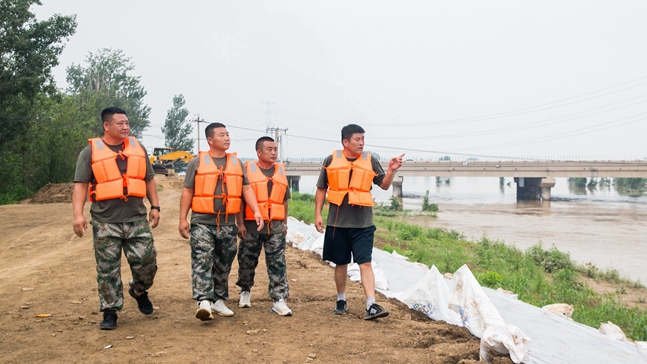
(564, 158)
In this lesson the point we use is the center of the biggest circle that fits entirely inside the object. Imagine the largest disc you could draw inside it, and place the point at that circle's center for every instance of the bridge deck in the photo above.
(587, 169)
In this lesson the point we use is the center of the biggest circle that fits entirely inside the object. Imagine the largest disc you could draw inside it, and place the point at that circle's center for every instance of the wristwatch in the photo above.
(156, 208)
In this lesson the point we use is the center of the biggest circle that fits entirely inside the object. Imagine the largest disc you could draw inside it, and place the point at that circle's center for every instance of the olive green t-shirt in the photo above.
(189, 182)
(115, 210)
(276, 226)
(345, 215)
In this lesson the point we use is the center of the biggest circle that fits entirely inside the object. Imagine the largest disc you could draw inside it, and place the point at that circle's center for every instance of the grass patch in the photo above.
(301, 207)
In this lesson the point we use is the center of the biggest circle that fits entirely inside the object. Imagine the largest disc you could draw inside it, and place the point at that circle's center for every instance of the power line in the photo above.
(530, 125)
(526, 110)
(588, 130)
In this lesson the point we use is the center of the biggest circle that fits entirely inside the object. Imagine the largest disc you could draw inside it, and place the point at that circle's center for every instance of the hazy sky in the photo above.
(429, 78)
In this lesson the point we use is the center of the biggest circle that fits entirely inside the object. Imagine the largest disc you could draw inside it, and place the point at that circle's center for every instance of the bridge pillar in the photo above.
(534, 188)
(397, 188)
(293, 182)
(546, 184)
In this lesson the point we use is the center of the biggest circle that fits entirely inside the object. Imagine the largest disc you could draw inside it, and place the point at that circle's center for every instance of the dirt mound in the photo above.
(169, 182)
(62, 192)
(52, 193)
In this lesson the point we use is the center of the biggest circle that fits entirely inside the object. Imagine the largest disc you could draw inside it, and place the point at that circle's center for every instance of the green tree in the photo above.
(106, 81)
(632, 183)
(28, 51)
(177, 129)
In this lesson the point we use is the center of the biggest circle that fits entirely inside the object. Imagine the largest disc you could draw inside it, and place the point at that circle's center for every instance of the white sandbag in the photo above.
(353, 273)
(395, 254)
(381, 281)
(317, 246)
(301, 235)
(507, 340)
(642, 345)
(431, 296)
(475, 309)
(563, 310)
(613, 331)
(505, 293)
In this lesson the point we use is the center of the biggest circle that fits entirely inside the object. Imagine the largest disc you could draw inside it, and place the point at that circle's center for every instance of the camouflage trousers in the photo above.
(249, 250)
(213, 251)
(136, 240)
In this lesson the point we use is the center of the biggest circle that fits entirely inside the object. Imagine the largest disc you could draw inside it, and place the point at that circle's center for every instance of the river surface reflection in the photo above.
(598, 226)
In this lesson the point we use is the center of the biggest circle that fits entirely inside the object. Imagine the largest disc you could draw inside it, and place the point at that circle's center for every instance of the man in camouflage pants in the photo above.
(214, 185)
(271, 176)
(119, 217)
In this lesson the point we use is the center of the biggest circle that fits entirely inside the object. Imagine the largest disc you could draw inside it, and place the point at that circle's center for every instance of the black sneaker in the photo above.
(375, 311)
(109, 320)
(143, 303)
(341, 308)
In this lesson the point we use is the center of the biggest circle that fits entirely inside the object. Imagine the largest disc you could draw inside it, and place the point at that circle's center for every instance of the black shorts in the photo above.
(339, 243)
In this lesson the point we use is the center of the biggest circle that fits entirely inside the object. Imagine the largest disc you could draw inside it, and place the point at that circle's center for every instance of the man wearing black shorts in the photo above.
(346, 177)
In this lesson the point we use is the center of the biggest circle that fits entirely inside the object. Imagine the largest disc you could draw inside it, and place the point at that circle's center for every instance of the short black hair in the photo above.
(350, 129)
(208, 131)
(259, 142)
(107, 113)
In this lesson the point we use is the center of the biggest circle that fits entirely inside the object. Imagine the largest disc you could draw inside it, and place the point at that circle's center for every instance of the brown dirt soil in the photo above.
(47, 269)
(52, 193)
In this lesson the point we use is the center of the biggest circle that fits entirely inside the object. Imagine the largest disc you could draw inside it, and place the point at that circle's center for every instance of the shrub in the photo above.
(426, 206)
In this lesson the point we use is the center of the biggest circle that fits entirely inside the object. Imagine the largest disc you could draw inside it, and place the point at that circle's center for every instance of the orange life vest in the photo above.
(206, 180)
(271, 206)
(110, 183)
(357, 186)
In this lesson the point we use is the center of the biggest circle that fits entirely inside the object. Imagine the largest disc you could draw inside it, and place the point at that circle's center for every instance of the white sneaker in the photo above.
(245, 299)
(281, 308)
(219, 308)
(204, 311)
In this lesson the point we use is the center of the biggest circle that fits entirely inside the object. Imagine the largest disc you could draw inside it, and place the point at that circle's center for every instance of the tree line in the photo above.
(42, 127)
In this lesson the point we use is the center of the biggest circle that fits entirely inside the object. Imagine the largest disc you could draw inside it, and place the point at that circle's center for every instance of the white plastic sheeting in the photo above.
(553, 339)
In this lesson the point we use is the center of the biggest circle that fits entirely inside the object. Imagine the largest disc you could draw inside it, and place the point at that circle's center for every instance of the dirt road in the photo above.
(47, 269)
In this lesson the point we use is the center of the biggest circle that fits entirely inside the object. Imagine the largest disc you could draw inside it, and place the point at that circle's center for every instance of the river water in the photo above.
(599, 226)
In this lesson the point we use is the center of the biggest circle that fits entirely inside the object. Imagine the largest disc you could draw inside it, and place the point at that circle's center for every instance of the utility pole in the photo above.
(198, 121)
(278, 138)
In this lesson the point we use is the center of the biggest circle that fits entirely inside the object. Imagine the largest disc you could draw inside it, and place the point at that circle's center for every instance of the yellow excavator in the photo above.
(163, 160)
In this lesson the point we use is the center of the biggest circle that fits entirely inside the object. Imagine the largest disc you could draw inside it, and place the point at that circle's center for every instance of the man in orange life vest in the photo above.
(346, 177)
(119, 174)
(214, 185)
(269, 182)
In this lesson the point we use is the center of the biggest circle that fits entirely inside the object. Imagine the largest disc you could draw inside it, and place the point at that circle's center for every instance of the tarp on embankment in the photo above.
(553, 339)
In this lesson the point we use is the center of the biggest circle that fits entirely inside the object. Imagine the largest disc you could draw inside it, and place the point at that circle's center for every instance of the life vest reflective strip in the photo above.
(110, 183)
(206, 181)
(271, 206)
(357, 186)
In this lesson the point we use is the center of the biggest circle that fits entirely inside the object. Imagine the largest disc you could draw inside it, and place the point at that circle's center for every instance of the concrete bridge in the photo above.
(534, 178)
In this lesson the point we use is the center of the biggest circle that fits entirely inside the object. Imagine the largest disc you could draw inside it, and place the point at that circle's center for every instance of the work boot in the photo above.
(143, 303)
(109, 320)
